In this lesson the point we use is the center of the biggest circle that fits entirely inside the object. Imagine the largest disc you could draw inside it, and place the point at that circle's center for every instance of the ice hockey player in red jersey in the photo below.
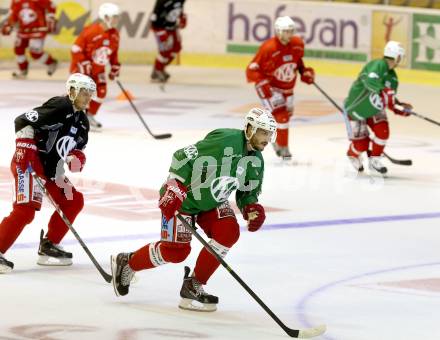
(201, 178)
(96, 47)
(47, 137)
(166, 21)
(33, 20)
(274, 71)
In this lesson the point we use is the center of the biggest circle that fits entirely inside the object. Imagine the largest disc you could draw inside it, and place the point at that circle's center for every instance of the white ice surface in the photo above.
(328, 256)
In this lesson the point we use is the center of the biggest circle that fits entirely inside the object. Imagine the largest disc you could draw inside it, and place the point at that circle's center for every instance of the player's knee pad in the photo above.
(281, 115)
(24, 213)
(381, 130)
(174, 252)
(360, 145)
(101, 90)
(227, 232)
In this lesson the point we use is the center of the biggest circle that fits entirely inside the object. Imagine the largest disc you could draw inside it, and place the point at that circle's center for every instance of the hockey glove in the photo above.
(263, 88)
(308, 75)
(388, 98)
(26, 153)
(85, 67)
(254, 214)
(114, 72)
(183, 20)
(51, 23)
(6, 29)
(76, 159)
(407, 109)
(171, 200)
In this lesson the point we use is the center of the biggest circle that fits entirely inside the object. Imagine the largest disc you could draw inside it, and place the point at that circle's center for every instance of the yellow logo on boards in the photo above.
(72, 17)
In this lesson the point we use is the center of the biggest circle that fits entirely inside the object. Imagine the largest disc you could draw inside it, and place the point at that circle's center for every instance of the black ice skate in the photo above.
(194, 297)
(5, 265)
(52, 67)
(122, 273)
(283, 152)
(94, 124)
(159, 76)
(21, 74)
(51, 254)
(356, 162)
(376, 165)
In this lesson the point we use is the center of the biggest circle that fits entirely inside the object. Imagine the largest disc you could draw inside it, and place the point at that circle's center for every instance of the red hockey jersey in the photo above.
(97, 45)
(277, 63)
(31, 17)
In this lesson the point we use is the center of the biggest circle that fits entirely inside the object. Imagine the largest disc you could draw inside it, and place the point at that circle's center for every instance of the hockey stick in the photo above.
(406, 162)
(294, 333)
(107, 277)
(425, 118)
(161, 136)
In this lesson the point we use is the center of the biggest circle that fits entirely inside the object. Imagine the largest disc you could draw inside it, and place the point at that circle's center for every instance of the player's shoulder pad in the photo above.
(296, 40)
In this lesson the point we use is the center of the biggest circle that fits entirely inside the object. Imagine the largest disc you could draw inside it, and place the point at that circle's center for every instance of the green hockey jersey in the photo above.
(216, 166)
(364, 99)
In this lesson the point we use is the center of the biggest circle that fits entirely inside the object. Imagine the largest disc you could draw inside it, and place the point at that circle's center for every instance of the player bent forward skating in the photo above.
(202, 177)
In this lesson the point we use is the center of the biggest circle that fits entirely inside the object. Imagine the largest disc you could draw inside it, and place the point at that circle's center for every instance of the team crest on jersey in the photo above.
(376, 101)
(31, 116)
(65, 145)
(286, 72)
(27, 15)
(191, 152)
(222, 187)
(100, 55)
(288, 57)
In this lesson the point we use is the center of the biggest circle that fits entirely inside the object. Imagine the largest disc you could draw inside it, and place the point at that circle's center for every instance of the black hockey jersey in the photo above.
(58, 130)
(166, 14)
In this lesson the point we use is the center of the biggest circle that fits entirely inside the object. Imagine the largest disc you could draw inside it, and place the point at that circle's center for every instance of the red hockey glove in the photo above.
(183, 20)
(308, 75)
(114, 71)
(6, 29)
(254, 214)
(407, 109)
(76, 159)
(263, 88)
(26, 153)
(388, 98)
(85, 67)
(171, 200)
(51, 23)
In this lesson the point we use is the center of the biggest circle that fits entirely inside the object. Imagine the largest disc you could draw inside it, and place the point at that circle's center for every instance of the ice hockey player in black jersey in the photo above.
(166, 21)
(47, 137)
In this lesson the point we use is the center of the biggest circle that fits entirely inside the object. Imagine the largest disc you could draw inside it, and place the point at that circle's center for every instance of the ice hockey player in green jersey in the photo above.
(201, 178)
(371, 94)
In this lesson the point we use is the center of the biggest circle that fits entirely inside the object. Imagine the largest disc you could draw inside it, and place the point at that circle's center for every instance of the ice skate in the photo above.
(5, 265)
(356, 162)
(122, 273)
(194, 297)
(94, 124)
(283, 152)
(51, 254)
(19, 75)
(159, 76)
(52, 67)
(376, 166)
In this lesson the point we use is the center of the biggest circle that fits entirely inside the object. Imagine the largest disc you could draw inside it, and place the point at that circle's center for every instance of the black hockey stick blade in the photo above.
(406, 162)
(161, 136)
(107, 277)
(294, 333)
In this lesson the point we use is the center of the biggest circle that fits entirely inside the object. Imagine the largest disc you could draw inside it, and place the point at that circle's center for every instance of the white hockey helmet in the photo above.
(284, 24)
(260, 119)
(80, 81)
(394, 49)
(107, 11)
